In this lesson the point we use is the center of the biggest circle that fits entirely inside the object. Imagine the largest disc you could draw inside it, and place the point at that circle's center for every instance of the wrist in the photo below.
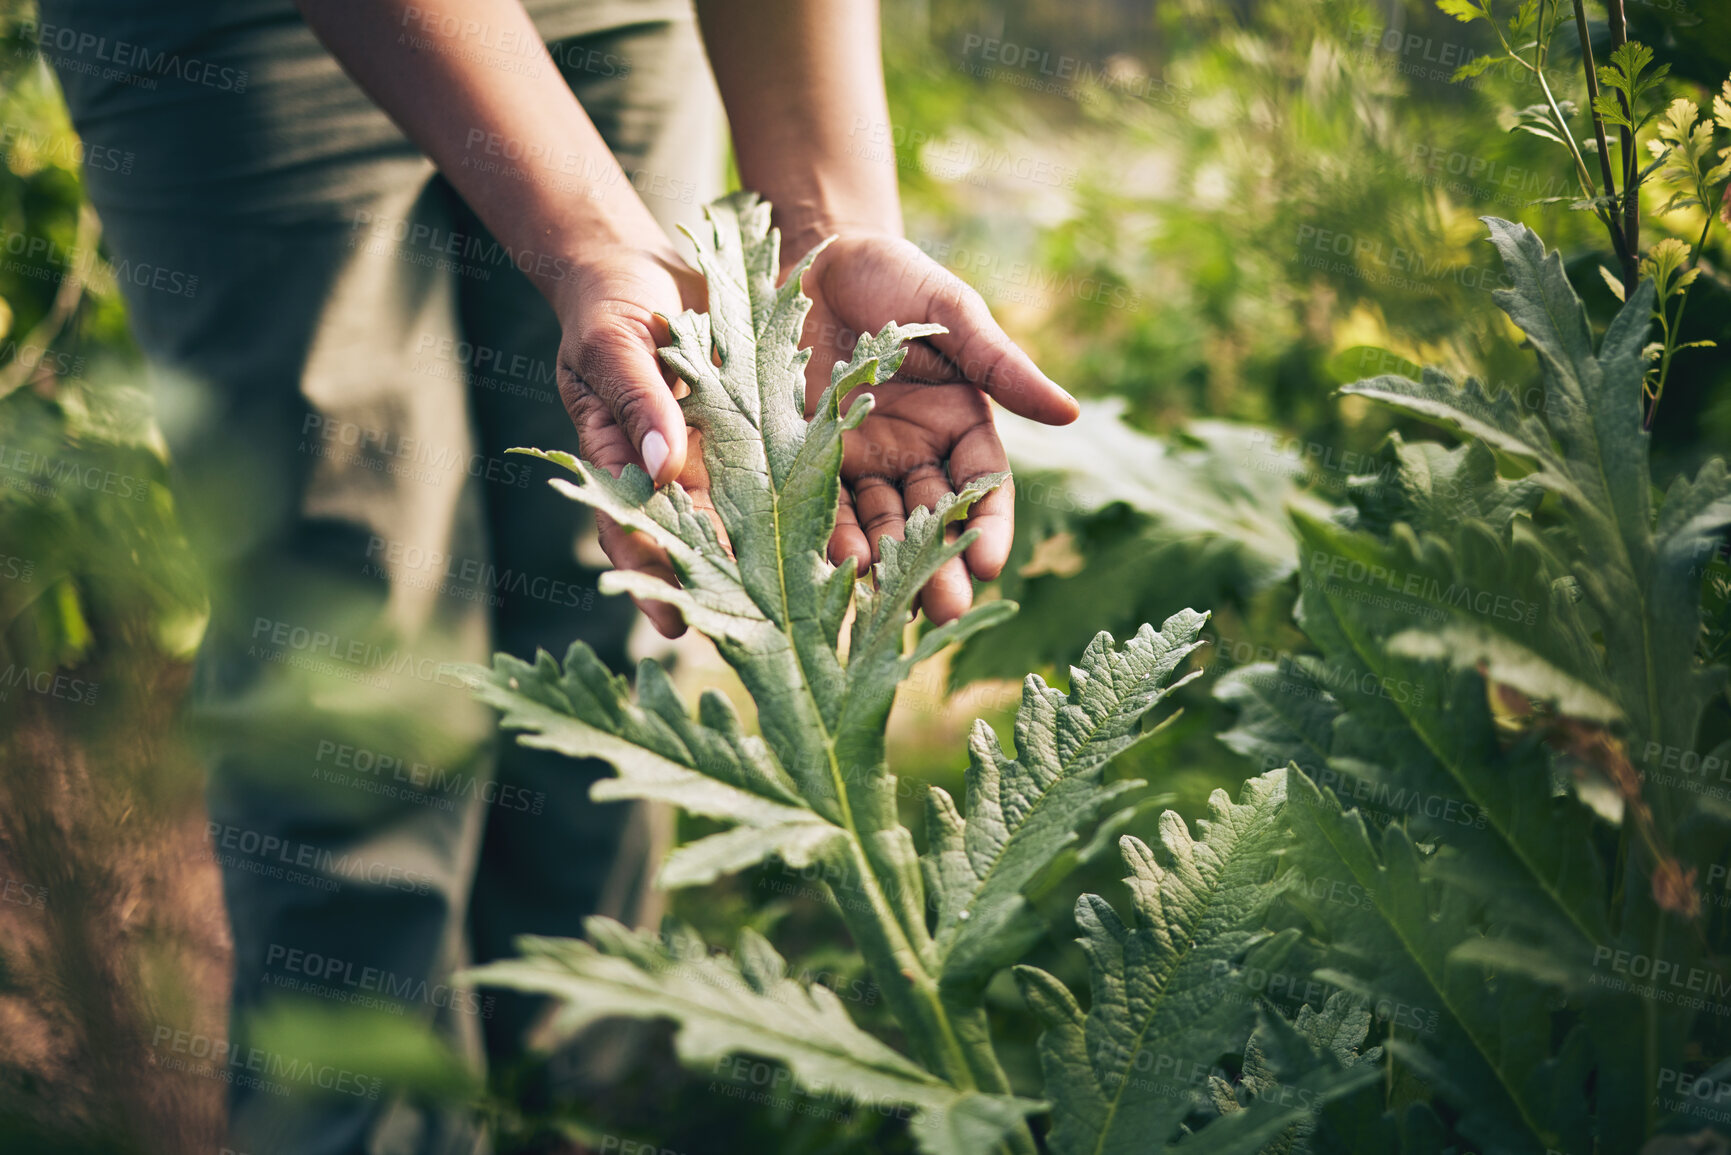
(805, 222)
(596, 246)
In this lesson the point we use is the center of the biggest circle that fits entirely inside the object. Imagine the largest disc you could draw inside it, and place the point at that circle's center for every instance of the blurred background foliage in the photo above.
(1202, 216)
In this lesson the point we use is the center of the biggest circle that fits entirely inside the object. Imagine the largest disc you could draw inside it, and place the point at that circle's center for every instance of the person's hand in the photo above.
(620, 396)
(931, 431)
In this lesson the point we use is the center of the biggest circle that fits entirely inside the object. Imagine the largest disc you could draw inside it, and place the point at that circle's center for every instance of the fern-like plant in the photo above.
(1509, 685)
(933, 928)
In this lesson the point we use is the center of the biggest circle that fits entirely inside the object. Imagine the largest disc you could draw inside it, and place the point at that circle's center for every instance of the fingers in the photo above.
(619, 368)
(880, 509)
(878, 506)
(849, 540)
(630, 551)
(976, 454)
(948, 594)
(987, 357)
(604, 444)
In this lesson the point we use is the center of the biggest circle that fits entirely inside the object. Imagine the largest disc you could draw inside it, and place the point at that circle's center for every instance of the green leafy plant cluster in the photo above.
(1508, 663)
(1414, 931)
(1621, 99)
(821, 652)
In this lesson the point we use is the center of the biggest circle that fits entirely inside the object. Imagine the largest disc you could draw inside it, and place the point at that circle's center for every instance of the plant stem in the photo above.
(1624, 255)
(964, 1057)
(1673, 329)
(1586, 178)
(1631, 167)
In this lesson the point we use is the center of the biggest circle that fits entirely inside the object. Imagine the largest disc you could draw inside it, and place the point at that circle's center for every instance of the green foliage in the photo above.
(815, 787)
(1197, 516)
(1498, 628)
(1168, 986)
(746, 1002)
(1624, 82)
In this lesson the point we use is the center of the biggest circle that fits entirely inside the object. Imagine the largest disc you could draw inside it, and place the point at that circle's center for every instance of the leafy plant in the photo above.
(1197, 516)
(1620, 96)
(934, 928)
(1501, 628)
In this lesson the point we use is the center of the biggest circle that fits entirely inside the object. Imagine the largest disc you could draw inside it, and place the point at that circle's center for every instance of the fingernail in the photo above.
(654, 454)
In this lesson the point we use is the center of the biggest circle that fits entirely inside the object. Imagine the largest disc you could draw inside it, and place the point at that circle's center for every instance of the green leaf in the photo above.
(1480, 1040)
(1167, 993)
(1477, 66)
(1598, 466)
(725, 1006)
(708, 766)
(1027, 815)
(1417, 734)
(1434, 488)
(1283, 714)
(1466, 11)
(1291, 1071)
(1153, 523)
(815, 785)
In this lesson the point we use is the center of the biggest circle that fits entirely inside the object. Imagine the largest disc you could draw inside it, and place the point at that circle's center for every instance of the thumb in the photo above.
(986, 356)
(621, 370)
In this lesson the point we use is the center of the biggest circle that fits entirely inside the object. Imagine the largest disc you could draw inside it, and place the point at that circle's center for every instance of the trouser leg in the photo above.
(543, 870)
(318, 473)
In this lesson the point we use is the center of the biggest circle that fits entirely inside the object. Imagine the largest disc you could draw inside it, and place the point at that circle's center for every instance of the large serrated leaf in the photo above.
(746, 1005)
(1026, 812)
(1167, 995)
(1481, 1039)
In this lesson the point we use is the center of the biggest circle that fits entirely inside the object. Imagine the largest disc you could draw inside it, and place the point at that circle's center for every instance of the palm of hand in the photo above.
(931, 430)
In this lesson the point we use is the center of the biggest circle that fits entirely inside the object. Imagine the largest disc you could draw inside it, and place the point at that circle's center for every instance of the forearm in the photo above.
(506, 132)
(804, 89)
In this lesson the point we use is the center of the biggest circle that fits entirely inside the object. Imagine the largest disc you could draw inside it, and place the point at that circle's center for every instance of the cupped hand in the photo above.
(931, 431)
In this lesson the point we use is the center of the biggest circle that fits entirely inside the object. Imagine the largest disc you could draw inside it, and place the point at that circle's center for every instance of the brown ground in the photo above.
(111, 930)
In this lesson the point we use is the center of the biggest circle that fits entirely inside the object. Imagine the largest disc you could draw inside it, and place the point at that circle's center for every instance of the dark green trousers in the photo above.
(342, 354)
